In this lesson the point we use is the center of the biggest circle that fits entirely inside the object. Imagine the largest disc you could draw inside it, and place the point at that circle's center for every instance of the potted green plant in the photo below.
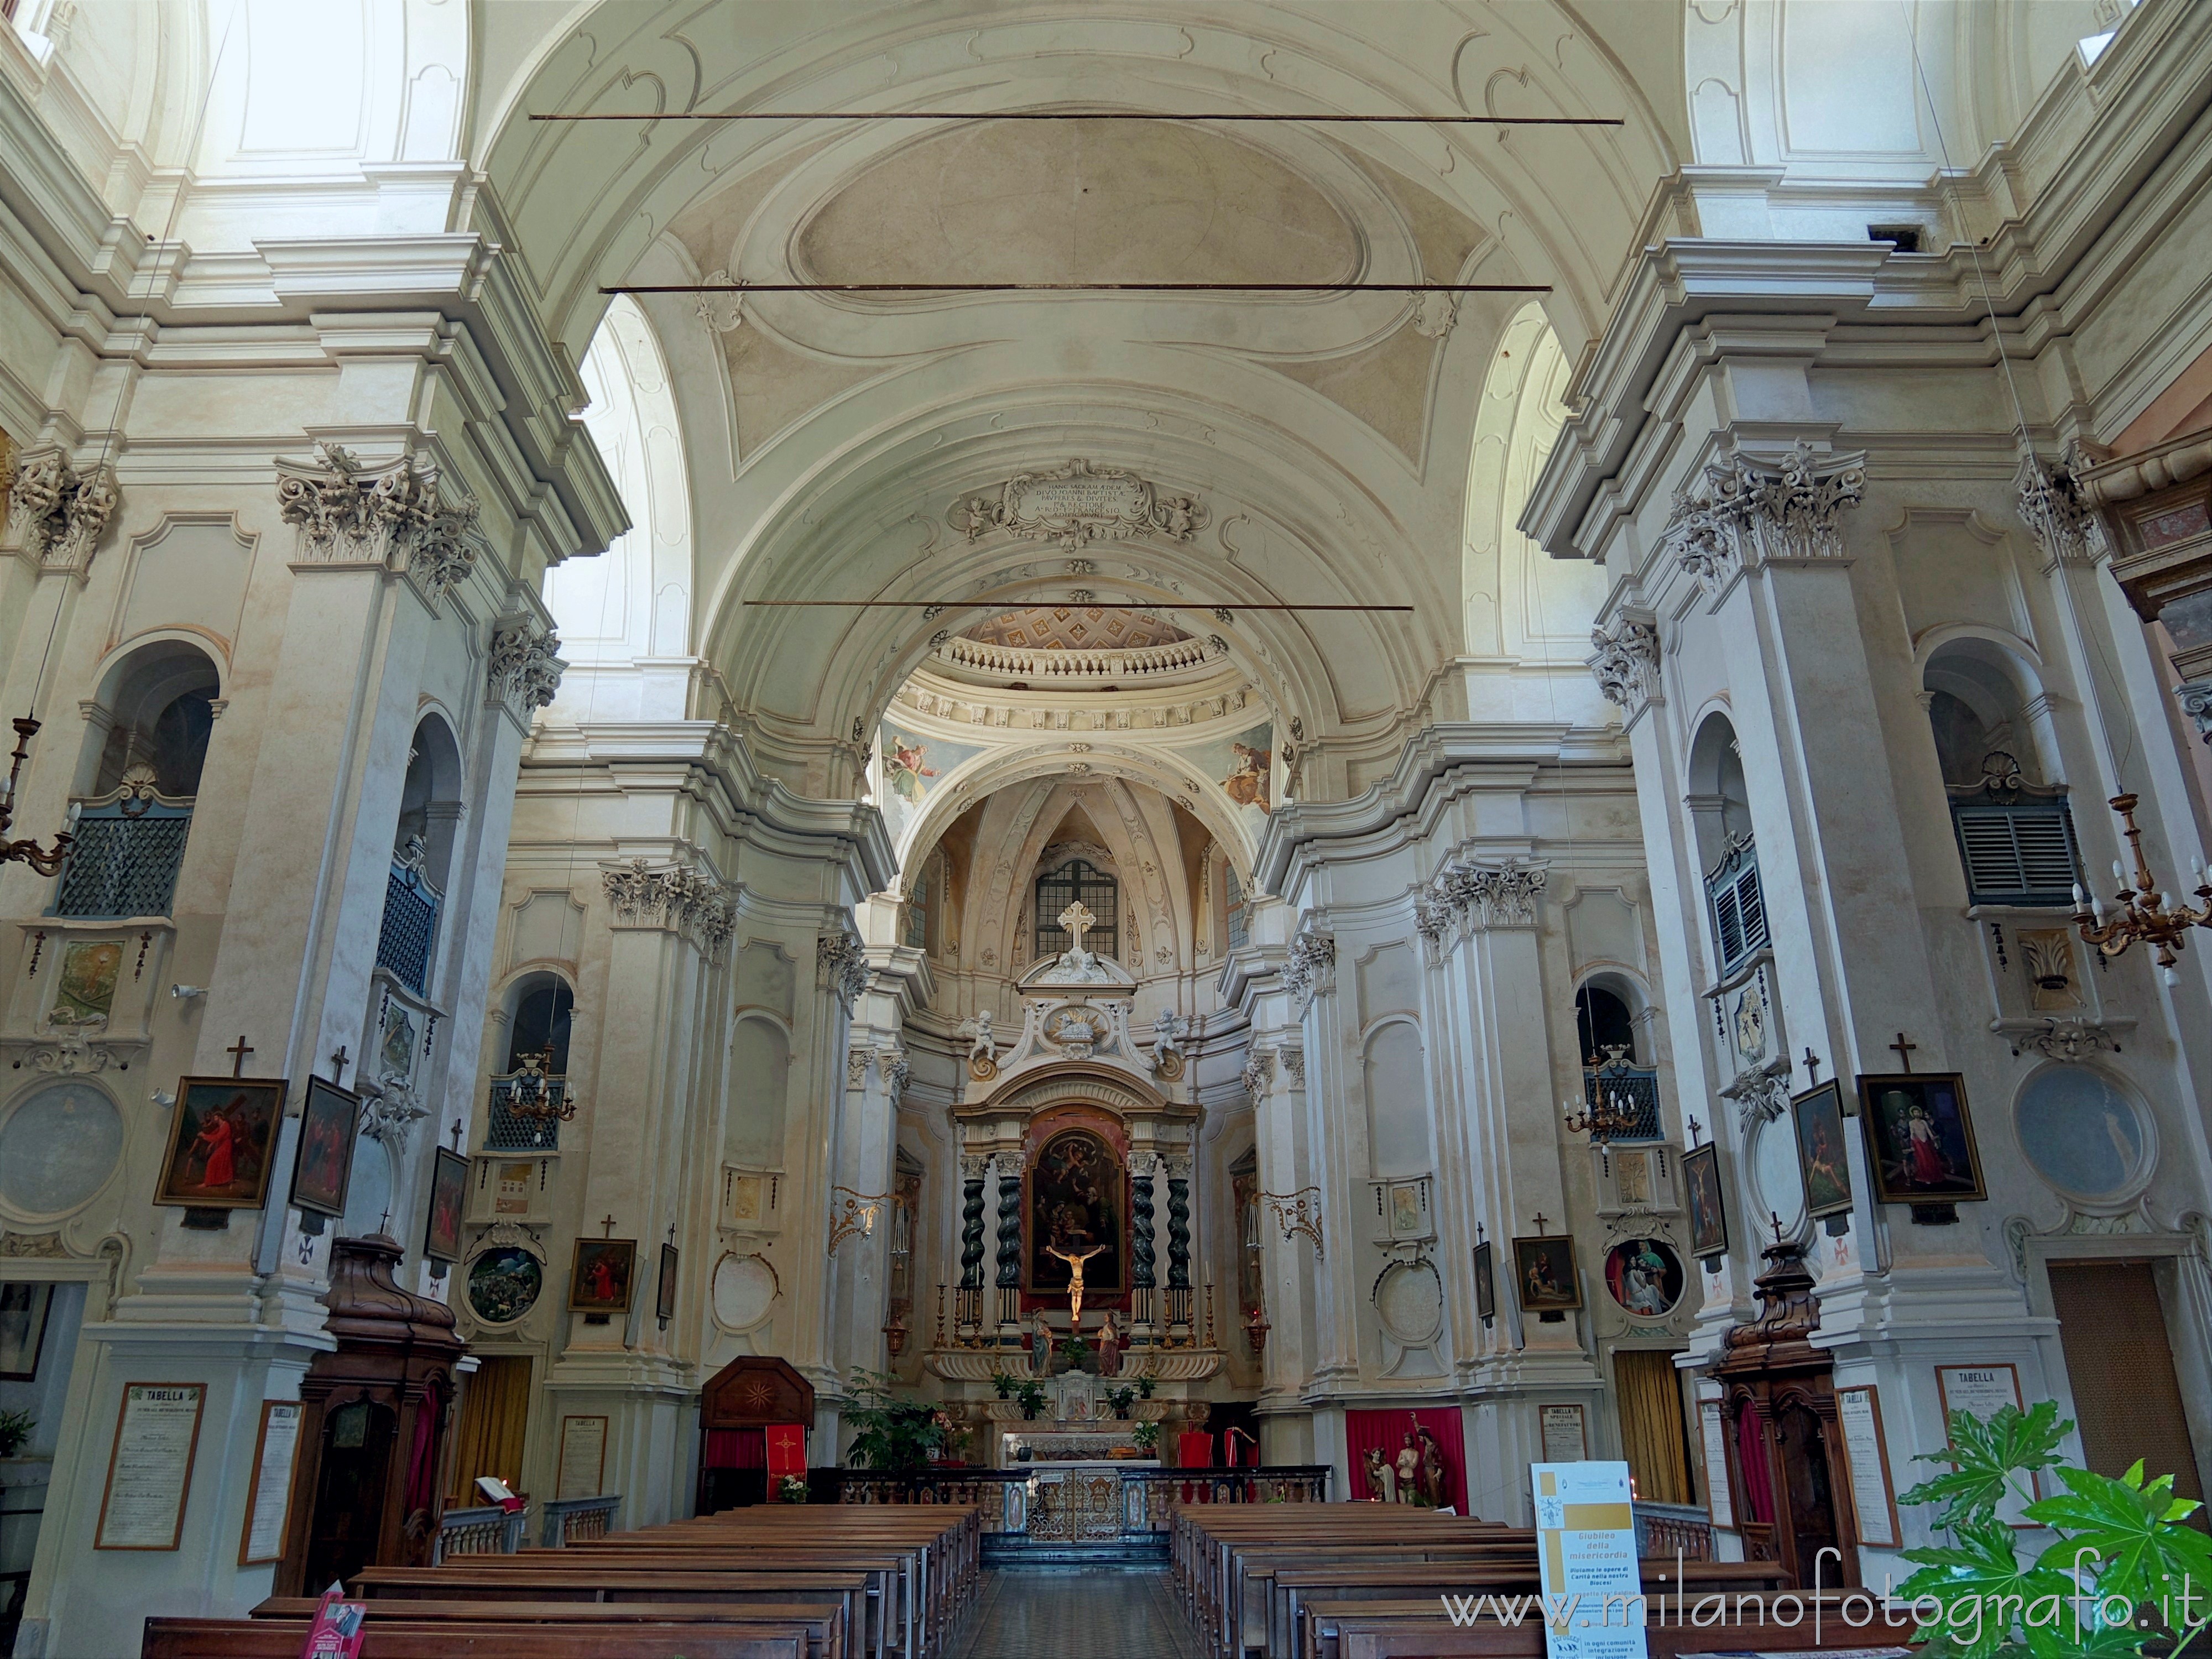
(1030, 1397)
(1002, 1384)
(2125, 1557)
(1078, 1351)
(1145, 1384)
(14, 1429)
(1146, 1435)
(894, 1434)
(1121, 1400)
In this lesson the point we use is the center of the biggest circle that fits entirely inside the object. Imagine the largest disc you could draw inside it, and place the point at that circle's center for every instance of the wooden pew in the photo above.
(1422, 1630)
(823, 1622)
(282, 1638)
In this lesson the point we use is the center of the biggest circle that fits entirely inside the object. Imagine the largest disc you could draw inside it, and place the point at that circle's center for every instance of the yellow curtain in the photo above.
(1652, 1434)
(495, 1413)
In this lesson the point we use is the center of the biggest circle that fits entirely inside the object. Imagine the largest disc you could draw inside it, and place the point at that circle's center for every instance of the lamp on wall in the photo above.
(2144, 914)
(30, 852)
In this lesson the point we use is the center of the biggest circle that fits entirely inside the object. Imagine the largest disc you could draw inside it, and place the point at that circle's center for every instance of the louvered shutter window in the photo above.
(1739, 908)
(2022, 854)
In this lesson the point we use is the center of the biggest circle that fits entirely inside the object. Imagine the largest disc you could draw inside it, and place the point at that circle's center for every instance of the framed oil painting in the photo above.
(220, 1143)
(1817, 1116)
(449, 1185)
(23, 1310)
(664, 1288)
(1645, 1276)
(1544, 1274)
(325, 1167)
(1701, 1183)
(504, 1283)
(599, 1280)
(1920, 1142)
(1485, 1281)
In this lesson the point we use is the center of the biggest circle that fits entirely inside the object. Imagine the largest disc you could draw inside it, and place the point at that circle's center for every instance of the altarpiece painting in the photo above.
(1076, 1199)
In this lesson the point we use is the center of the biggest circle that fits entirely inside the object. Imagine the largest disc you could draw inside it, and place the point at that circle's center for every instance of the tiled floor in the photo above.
(1098, 1613)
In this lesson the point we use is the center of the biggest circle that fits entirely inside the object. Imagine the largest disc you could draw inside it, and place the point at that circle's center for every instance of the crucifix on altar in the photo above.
(1078, 921)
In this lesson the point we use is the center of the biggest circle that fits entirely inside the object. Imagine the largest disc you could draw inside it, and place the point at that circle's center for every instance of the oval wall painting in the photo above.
(1645, 1276)
(58, 1149)
(2082, 1135)
(504, 1284)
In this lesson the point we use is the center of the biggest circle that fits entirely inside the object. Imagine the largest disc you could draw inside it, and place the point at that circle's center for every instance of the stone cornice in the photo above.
(2112, 150)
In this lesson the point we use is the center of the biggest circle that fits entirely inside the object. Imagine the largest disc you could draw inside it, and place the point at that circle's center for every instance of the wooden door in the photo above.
(2127, 1400)
(350, 1486)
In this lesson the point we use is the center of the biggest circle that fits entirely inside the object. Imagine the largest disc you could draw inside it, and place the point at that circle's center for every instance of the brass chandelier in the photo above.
(2144, 912)
(29, 851)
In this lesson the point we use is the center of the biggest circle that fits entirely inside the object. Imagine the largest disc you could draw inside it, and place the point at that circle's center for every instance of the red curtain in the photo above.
(1388, 1430)
(1194, 1450)
(1751, 1465)
(737, 1448)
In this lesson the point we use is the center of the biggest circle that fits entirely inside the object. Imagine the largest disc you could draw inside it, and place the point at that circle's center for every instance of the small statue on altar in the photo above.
(1380, 1487)
(1109, 1343)
(1040, 1344)
(1409, 1471)
(1433, 1469)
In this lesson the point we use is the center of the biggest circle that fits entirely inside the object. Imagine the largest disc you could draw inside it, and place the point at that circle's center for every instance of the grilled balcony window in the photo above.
(130, 845)
(1739, 906)
(2016, 841)
(410, 923)
(1618, 1080)
(511, 1131)
(1075, 881)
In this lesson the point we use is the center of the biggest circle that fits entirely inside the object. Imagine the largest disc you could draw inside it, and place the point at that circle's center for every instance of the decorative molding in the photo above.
(892, 1065)
(1753, 512)
(1023, 715)
(856, 1066)
(1626, 665)
(1466, 897)
(2196, 697)
(1259, 1072)
(524, 667)
(675, 899)
(390, 1111)
(55, 513)
(2065, 1039)
(852, 1213)
(841, 964)
(390, 514)
(1299, 1212)
(1294, 1067)
(38, 1247)
(1310, 969)
(1076, 505)
(2053, 506)
(75, 1047)
(1761, 1094)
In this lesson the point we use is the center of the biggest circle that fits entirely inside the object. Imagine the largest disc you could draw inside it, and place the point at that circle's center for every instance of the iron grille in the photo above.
(1240, 932)
(1638, 1085)
(1078, 880)
(2022, 852)
(124, 865)
(410, 927)
(510, 1132)
(1739, 906)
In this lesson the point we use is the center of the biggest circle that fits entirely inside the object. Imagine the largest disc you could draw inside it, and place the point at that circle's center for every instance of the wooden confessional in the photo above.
(736, 1408)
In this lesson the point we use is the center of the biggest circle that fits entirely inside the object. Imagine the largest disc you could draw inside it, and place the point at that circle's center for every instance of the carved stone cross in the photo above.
(1077, 920)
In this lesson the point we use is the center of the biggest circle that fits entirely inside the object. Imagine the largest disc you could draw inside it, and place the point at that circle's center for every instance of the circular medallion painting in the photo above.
(1410, 1300)
(59, 1148)
(744, 1290)
(2082, 1135)
(1645, 1276)
(504, 1284)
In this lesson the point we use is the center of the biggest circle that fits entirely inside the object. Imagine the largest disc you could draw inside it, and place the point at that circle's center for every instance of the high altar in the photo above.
(1075, 1143)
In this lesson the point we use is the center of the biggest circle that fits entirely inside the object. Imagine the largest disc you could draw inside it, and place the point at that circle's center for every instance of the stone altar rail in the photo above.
(1084, 1505)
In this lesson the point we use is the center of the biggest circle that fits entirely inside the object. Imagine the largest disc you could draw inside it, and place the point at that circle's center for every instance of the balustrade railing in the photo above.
(1059, 663)
(578, 1519)
(1086, 1502)
(488, 1531)
(1663, 1530)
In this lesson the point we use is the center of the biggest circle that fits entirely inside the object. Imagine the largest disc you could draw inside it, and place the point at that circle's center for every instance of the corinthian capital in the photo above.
(56, 513)
(1626, 664)
(524, 667)
(393, 513)
(1746, 511)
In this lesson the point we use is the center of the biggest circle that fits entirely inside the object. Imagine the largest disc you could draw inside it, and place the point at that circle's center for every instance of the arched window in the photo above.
(1078, 881)
(421, 847)
(542, 1015)
(2015, 835)
(158, 713)
(1720, 807)
(1603, 1022)
(1237, 922)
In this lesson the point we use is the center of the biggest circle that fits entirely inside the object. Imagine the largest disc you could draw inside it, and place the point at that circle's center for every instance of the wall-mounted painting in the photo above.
(221, 1143)
(1244, 766)
(1701, 1185)
(326, 1138)
(1920, 1141)
(1818, 1114)
(912, 767)
(1645, 1276)
(1544, 1272)
(600, 1281)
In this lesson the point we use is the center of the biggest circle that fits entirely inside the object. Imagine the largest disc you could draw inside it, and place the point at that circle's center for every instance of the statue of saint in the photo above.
(1409, 1470)
(1075, 1260)
(1433, 1469)
(1040, 1344)
(1110, 1349)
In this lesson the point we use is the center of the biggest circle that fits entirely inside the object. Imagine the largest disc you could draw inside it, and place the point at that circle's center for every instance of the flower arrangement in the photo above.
(1077, 1350)
(1145, 1384)
(792, 1489)
(1121, 1400)
(1147, 1438)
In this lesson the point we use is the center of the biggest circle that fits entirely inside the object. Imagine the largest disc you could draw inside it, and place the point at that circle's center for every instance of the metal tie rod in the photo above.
(1087, 115)
(1075, 287)
(959, 604)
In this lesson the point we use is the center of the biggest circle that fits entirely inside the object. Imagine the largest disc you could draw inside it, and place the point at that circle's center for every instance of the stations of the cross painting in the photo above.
(1078, 921)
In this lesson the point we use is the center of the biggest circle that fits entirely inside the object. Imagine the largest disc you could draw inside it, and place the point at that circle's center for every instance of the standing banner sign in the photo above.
(787, 1453)
(1586, 1554)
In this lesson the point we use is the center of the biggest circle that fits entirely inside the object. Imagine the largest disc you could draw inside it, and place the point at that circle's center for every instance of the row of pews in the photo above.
(1369, 1581)
(777, 1581)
